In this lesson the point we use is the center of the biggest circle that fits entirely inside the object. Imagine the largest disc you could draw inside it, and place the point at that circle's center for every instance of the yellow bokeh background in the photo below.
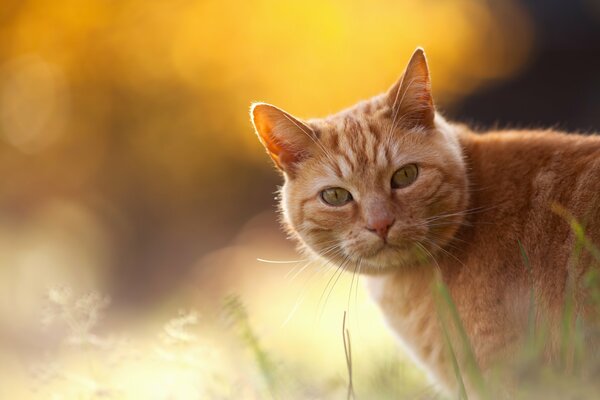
(129, 166)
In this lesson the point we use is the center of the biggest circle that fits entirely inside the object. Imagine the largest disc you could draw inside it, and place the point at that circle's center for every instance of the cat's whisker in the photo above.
(468, 211)
(303, 292)
(447, 223)
(448, 220)
(449, 241)
(422, 247)
(455, 242)
(337, 274)
(329, 252)
(324, 253)
(350, 290)
(445, 216)
(336, 268)
(440, 248)
(292, 274)
(360, 261)
(295, 307)
(298, 272)
(327, 242)
(264, 260)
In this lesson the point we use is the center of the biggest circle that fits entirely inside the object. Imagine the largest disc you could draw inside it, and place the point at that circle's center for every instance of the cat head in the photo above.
(379, 186)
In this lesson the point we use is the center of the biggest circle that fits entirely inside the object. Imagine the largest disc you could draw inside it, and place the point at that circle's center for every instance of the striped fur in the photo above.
(475, 199)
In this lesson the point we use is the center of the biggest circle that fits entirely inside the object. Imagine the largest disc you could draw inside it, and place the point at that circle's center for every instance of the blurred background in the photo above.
(128, 165)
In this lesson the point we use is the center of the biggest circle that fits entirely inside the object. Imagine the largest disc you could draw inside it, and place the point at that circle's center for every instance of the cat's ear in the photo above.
(410, 98)
(286, 138)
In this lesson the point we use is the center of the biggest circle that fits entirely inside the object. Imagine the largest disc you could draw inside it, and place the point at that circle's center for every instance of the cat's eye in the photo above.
(405, 176)
(336, 196)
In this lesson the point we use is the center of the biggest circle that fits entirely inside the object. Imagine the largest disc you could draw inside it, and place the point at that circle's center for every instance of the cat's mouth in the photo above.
(387, 247)
(383, 249)
(376, 257)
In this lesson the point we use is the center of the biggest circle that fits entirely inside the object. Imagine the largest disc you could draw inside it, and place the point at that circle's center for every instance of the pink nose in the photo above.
(381, 226)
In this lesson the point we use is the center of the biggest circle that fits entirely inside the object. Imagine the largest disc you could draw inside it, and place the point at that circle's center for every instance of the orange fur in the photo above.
(476, 197)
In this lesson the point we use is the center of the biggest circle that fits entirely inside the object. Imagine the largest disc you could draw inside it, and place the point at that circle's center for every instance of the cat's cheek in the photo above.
(446, 200)
(409, 231)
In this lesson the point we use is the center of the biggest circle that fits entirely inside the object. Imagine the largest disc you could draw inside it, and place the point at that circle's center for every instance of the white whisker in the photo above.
(279, 261)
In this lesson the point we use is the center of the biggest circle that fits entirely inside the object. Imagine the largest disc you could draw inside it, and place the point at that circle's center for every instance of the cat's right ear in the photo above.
(286, 138)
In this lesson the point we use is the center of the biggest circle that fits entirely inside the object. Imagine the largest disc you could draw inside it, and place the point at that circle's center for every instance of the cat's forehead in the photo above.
(358, 146)
(373, 110)
(354, 123)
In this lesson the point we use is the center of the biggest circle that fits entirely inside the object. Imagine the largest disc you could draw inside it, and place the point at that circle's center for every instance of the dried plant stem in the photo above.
(348, 353)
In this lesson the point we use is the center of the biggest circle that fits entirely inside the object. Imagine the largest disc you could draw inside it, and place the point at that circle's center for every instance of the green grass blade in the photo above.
(532, 310)
(236, 311)
(470, 362)
(462, 392)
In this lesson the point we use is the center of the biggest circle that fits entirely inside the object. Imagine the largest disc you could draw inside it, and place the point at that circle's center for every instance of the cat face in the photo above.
(379, 186)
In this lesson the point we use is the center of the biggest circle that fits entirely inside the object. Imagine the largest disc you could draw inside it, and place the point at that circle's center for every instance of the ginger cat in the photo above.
(389, 189)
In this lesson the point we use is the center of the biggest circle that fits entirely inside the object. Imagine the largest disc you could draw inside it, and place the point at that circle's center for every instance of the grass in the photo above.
(348, 354)
(527, 376)
(182, 361)
(235, 310)
(276, 378)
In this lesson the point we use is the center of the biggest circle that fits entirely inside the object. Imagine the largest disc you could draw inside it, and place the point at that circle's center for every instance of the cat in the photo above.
(389, 189)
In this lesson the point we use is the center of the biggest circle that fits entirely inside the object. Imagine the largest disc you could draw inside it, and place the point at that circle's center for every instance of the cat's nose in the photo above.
(381, 226)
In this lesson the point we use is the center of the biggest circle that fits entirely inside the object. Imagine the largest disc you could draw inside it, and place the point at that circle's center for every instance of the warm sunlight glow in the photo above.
(130, 169)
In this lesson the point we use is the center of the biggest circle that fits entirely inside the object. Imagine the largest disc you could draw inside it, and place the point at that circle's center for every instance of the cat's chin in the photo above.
(384, 265)
(387, 259)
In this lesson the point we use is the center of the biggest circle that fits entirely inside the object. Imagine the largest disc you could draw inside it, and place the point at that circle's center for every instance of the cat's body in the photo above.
(514, 178)
(390, 189)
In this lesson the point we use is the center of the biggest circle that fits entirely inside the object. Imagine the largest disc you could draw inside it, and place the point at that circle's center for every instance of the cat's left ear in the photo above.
(410, 98)
(287, 139)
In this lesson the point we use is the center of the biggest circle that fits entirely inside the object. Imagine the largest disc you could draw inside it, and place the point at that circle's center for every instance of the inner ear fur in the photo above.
(286, 138)
(410, 97)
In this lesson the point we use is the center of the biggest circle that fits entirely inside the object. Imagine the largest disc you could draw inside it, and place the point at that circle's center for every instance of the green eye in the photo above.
(336, 196)
(405, 176)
